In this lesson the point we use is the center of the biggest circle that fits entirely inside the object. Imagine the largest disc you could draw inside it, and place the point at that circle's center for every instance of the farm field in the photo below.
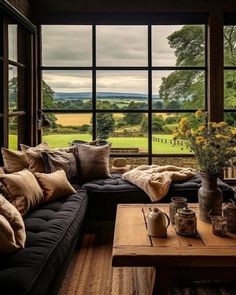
(63, 140)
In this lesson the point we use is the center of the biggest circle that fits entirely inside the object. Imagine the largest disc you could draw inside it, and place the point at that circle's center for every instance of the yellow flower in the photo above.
(222, 124)
(201, 128)
(221, 136)
(193, 132)
(200, 139)
(233, 131)
(212, 124)
(199, 114)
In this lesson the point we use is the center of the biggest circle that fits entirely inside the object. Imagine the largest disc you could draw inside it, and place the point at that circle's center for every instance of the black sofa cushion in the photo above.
(50, 231)
(105, 194)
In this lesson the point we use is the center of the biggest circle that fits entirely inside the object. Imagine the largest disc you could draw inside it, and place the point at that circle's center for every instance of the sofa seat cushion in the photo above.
(50, 231)
(105, 194)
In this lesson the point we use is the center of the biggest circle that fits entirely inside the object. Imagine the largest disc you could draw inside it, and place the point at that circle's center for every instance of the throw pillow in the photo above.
(93, 161)
(13, 160)
(12, 229)
(54, 185)
(35, 160)
(59, 159)
(23, 190)
(34, 157)
(40, 147)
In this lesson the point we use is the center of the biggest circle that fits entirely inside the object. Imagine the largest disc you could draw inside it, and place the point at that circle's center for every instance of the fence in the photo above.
(173, 142)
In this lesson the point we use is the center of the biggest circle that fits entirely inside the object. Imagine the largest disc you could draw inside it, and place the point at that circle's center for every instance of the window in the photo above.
(15, 95)
(16, 85)
(129, 84)
(230, 83)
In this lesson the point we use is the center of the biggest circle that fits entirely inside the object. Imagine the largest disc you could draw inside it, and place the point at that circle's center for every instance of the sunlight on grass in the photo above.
(63, 140)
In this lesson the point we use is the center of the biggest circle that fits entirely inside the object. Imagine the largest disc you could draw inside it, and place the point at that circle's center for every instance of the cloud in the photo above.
(67, 45)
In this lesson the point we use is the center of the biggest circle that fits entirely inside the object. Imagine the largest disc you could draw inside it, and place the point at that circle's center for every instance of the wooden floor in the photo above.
(91, 273)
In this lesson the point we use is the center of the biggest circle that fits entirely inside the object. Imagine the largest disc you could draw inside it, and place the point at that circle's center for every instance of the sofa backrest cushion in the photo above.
(54, 185)
(14, 161)
(12, 229)
(93, 161)
(23, 190)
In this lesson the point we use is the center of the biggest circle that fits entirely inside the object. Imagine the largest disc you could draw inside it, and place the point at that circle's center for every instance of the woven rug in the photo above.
(91, 272)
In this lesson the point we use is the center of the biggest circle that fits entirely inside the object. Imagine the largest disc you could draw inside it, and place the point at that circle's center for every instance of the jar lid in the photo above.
(186, 211)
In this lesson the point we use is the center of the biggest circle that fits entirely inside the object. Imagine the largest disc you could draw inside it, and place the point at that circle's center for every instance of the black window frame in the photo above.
(149, 68)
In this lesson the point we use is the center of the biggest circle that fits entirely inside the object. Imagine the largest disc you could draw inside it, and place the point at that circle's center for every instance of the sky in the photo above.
(116, 46)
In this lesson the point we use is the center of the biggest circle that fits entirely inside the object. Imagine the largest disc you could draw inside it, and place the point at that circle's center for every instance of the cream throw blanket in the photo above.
(155, 180)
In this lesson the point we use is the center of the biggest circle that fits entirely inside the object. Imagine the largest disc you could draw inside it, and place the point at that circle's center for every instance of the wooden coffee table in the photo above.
(176, 257)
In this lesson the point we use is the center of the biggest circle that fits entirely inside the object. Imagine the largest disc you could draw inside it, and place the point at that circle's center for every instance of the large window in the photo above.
(230, 84)
(128, 84)
(14, 43)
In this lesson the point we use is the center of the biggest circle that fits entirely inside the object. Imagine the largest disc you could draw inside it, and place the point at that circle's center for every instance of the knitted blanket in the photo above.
(155, 180)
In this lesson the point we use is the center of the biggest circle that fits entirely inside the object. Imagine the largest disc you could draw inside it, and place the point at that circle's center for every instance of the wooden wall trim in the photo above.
(216, 66)
(17, 16)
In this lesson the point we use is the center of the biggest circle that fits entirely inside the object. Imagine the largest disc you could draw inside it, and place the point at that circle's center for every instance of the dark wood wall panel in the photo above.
(44, 7)
(23, 6)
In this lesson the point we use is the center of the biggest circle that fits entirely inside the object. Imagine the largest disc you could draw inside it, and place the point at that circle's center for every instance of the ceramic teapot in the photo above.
(157, 223)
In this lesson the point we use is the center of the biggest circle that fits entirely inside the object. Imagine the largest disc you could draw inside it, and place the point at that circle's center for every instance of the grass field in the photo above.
(63, 140)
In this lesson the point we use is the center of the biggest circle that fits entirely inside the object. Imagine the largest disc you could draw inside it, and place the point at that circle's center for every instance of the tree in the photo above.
(49, 103)
(133, 118)
(105, 125)
(187, 87)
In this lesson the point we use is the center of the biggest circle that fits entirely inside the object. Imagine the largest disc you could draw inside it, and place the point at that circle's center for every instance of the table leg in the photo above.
(161, 282)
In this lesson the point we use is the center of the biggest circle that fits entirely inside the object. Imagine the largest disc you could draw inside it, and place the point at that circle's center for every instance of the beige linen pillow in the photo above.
(34, 157)
(40, 147)
(35, 161)
(23, 190)
(93, 161)
(54, 185)
(13, 160)
(12, 229)
(59, 159)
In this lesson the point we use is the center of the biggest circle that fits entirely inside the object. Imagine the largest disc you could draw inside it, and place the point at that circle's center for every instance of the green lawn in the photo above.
(62, 140)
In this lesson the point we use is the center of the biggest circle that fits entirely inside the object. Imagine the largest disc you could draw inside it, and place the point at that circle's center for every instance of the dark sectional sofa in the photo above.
(53, 230)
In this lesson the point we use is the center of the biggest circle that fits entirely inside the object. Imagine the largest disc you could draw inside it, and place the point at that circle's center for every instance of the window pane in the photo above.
(176, 90)
(122, 45)
(13, 88)
(123, 131)
(66, 128)
(178, 45)
(12, 42)
(122, 90)
(163, 127)
(230, 118)
(13, 133)
(66, 45)
(71, 90)
(229, 89)
(230, 45)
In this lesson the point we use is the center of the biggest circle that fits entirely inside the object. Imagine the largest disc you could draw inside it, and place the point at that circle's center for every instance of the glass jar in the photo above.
(175, 204)
(229, 211)
(186, 222)
(219, 225)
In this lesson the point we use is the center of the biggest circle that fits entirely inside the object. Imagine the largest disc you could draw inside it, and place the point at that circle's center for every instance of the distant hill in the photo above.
(101, 95)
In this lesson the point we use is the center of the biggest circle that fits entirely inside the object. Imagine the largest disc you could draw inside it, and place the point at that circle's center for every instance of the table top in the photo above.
(134, 247)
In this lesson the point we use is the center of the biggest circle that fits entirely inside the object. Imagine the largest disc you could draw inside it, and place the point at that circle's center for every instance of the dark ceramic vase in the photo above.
(210, 197)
